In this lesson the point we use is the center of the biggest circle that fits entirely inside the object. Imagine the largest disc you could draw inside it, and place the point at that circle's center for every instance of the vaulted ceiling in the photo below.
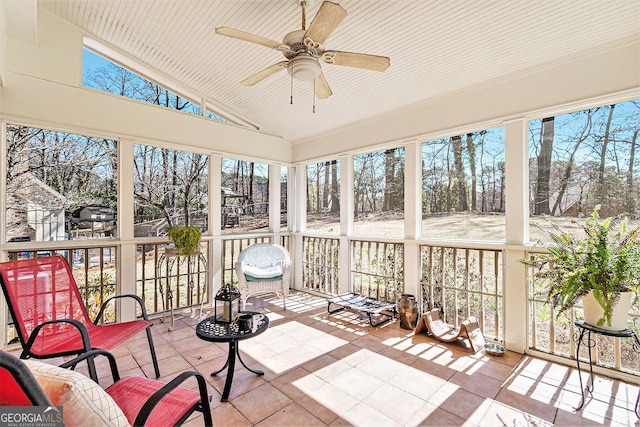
(435, 46)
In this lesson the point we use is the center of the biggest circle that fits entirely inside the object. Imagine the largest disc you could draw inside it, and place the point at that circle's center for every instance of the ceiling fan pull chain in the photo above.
(291, 97)
(314, 96)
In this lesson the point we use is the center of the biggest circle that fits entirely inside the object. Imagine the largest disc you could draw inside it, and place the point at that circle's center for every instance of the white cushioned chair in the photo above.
(263, 268)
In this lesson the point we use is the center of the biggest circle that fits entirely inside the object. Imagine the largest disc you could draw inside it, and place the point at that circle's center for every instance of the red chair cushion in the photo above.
(11, 393)
(131, 393)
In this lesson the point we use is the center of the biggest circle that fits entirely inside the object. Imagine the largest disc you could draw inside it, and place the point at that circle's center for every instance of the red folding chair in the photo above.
(50, 317)
(143, 401)
(19, 387)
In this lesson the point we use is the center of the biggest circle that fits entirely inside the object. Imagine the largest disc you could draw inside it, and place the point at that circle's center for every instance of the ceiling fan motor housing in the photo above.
(303, 62)
(305, 68)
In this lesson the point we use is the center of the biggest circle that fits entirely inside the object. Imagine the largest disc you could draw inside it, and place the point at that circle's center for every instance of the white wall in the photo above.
(3, 41)
(613, 74)
(43, 87)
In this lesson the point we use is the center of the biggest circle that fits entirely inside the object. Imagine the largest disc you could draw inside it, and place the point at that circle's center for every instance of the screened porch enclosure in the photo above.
(438, 199)
(356, 236)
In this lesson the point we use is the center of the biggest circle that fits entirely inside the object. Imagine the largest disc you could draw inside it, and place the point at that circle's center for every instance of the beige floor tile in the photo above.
(261, 402)
(357, 383)
(326, 401)
(394, 403)
(337, 370)
(292, 415)
(227, 416)
(418, 383)
(363, 415)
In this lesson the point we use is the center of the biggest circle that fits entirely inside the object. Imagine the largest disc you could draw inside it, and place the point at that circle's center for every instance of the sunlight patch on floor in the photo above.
(298, 303)
(358, 387)
(288, 345)
(491, 412)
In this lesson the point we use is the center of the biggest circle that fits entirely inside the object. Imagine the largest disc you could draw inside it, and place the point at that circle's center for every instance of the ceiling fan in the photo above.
(304, 48)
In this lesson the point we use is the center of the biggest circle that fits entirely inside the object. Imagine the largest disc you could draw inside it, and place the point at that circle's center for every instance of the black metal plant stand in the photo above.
(583, 336)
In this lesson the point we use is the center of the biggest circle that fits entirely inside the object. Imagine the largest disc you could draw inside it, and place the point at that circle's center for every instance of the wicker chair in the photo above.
(263, 268)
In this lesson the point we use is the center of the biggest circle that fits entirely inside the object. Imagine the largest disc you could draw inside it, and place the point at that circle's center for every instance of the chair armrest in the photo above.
(89, 356)
(108, 300)
(156, 397)
(84, 334)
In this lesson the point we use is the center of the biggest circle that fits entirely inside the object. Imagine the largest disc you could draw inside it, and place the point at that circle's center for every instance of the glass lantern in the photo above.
(227, 303)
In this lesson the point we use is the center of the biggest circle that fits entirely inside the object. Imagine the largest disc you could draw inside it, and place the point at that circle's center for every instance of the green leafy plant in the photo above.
(606, 260)
(186, 239)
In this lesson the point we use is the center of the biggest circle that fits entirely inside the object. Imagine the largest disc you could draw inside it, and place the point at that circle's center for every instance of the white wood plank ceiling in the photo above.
(436, 47)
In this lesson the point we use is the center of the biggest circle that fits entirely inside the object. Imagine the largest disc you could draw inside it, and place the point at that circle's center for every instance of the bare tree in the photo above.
(602, 190)
(456, 144)
(544, 167)
(335, 192)
(566, 176)
(471, 150)
(629, 197)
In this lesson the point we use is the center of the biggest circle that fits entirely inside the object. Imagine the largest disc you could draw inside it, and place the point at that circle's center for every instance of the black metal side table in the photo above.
(583, 336)
(210, 330)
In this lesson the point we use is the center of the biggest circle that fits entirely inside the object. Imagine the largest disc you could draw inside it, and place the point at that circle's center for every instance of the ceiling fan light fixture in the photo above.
(304, 68)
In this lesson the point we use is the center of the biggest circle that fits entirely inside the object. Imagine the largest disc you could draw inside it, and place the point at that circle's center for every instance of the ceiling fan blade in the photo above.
(322, 87)
(358, 60)
(252, 38)
(261, 75)
(327, 19)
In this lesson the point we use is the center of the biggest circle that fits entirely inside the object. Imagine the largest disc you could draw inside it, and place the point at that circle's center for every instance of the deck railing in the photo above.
(166, 280)
(464, 282)
(461, 281)
(320, 260)
(553, 334)
(377, 269)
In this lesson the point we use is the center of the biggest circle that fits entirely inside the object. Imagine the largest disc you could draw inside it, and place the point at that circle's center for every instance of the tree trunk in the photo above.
(602, 191)
(165, 180)
(326, 186)
(174, 185)
(250, 190)
(630, 199)
(335, 192)
(456, 144)
(544, 167)
(389, 176)
(309, 206)
(448, 195)
(318, 199)
(471, 149)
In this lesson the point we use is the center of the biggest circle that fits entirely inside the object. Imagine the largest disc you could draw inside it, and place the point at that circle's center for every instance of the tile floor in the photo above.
(337, 370)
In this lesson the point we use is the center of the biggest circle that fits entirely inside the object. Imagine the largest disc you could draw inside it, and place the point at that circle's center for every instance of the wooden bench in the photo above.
(360, 303)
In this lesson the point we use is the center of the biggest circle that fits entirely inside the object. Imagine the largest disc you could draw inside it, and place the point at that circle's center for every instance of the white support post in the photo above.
(291, 205)
(127, 256)
(214, 249)
(275, 171)
(517, 234)
(299, 221)
(346, 221)
(4, 310)
(412, 215)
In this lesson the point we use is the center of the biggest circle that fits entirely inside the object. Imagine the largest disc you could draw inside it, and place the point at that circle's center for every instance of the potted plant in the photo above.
(186, 239)
(600, 268)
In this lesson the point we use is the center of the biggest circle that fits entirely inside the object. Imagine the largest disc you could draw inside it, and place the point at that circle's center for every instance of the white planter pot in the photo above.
(619, 318)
